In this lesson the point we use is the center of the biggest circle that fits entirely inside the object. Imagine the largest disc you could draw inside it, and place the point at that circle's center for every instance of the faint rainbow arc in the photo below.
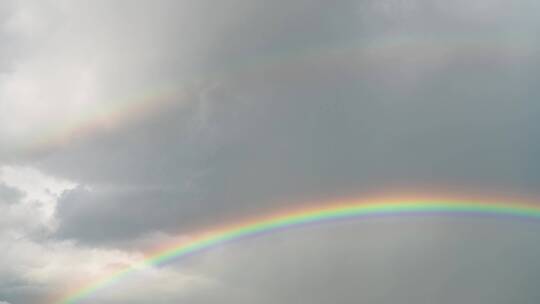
(377, 50)
(290, 219)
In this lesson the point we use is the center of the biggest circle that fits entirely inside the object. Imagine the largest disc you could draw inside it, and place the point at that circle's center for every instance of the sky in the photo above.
(129, 124)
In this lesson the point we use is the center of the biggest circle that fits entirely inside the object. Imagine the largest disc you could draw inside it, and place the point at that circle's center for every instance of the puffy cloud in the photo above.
(30, 199)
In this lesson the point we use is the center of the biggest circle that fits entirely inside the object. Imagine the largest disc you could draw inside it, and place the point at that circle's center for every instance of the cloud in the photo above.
(9, 195)
(126, 124)
(33, 270)
(32, 266)
(305, 130)
(450, 260)
(310, 100)
(29, 199)
(375, 260)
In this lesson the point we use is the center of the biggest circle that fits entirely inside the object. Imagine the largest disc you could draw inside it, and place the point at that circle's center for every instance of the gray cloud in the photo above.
(311, 130)
(295, 107)
(9, 195)
(443, 260)
(434, 260)
(267, 105)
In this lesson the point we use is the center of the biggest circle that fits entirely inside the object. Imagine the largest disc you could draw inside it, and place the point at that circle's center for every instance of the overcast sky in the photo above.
(126, 124)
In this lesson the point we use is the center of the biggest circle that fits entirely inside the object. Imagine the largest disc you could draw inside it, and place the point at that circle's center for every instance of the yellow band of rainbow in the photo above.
(324, 213)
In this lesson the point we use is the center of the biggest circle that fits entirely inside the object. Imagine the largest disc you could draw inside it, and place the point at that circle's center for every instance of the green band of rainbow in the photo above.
(351, 209)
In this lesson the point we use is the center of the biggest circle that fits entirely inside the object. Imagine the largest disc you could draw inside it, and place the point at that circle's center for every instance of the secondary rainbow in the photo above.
(313, 215)
(363, 54)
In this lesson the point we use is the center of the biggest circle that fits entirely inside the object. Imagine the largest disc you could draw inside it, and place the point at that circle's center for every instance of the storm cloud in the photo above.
(125, 124)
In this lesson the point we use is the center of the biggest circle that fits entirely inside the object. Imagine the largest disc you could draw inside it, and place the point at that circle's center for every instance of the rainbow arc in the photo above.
(353, 209)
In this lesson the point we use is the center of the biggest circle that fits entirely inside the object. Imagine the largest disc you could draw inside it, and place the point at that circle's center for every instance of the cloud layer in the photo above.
(124, 124)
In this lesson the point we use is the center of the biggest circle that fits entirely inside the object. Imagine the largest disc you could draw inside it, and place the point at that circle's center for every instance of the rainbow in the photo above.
(364, 54)
(351, 209)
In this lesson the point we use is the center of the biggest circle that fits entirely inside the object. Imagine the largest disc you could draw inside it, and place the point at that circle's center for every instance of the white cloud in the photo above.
(47, 268)
(40, 194)
(69, 70)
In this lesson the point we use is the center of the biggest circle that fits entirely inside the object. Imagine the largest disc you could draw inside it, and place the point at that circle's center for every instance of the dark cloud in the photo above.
(308, 130)
(276, 104)
(104, 216)
(436, 112)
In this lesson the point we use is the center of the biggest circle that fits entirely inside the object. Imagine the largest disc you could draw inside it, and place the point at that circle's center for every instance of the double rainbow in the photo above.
(324, 213)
